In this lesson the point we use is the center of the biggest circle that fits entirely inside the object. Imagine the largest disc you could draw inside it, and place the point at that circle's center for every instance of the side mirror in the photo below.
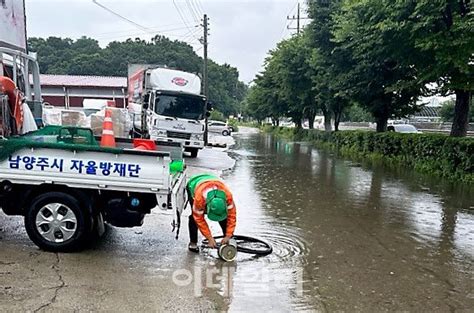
(146, 100)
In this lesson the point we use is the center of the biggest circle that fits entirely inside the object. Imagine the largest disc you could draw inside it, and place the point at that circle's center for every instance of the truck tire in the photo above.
(194, 152)
(56, 222)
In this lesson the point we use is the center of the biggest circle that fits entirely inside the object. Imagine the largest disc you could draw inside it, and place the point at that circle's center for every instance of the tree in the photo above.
(380, 80)
(291, 60)
(428, 39)
(442, 31)
(284, 88)
(328, 63)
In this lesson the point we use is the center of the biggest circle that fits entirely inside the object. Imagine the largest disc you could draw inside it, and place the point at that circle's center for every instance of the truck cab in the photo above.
(178, 117)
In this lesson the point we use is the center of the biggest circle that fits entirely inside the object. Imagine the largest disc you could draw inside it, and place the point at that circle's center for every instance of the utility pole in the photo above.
(298, 19)
(205, 74)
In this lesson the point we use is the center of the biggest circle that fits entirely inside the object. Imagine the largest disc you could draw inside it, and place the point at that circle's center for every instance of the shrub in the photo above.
(217, 116)
(234, 123)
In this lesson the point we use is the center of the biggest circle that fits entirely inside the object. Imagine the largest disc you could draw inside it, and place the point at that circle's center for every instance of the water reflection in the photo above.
(350, 227)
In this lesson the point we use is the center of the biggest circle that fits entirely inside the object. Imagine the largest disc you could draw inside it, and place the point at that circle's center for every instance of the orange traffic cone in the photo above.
(108, 139)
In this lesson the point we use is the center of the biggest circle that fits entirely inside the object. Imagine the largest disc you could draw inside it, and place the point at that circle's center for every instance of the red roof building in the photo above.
(71, 90)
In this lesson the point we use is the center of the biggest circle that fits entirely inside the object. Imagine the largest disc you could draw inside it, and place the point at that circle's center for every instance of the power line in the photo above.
(121, 16)
(192, 34)
(179, 37)
(154, 29)
(193, 12)
(181, 16)
(198, 7)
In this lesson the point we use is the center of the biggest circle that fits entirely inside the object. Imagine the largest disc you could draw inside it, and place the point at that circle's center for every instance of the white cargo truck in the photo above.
(173, 108)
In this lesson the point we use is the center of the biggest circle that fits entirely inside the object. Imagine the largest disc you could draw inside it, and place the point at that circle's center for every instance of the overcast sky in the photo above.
(241, 31)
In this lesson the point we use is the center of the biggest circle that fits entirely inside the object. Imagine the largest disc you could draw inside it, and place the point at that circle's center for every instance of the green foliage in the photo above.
(248, 124)
(217, 116)
(380, 54)
(330, 65)
(85, 57)
(380, 79)
(439, 155)
(447, 111)
(234, 123)
(285, 87)
(440, 31)
(356, 113)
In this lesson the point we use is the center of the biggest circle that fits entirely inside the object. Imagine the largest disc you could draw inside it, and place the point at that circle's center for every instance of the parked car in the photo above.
(219, 127)
(403, 128)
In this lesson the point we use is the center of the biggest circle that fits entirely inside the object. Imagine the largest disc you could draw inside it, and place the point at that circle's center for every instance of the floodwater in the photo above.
(346, 236)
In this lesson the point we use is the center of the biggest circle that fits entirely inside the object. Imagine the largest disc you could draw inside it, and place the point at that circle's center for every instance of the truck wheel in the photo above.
(194, 152)
(56, 222)
(225, 133)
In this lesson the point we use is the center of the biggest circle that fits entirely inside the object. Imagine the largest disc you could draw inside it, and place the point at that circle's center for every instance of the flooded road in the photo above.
(359, 238)
(346, 237)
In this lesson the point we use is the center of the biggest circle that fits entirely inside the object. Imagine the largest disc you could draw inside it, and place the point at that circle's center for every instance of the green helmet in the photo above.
(216, 205)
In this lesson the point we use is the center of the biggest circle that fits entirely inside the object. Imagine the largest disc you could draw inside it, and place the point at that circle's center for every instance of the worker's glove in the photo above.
(212, 243)
(225, 240)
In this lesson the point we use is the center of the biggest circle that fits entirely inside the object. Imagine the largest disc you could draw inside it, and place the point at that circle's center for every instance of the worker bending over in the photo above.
(209, 195)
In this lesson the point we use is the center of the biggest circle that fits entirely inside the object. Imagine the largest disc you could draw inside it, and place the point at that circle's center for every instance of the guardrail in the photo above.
(444, 131)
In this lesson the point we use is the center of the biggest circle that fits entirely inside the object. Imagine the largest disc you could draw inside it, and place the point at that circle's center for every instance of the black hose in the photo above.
(267, 248)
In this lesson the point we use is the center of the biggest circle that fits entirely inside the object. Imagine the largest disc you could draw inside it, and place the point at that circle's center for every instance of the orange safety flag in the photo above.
(15, 100)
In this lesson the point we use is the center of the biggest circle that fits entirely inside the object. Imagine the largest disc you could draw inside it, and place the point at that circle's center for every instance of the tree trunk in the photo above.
(310, 116)
(381, 123)
(298, 123)
(311, 123)
(327, 120)
(337, 120)
(461, 114)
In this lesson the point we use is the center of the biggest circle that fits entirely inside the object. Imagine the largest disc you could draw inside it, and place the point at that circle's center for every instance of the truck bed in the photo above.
(134, 171)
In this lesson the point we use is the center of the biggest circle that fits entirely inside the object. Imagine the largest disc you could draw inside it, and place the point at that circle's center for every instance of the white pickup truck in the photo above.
(65, 185)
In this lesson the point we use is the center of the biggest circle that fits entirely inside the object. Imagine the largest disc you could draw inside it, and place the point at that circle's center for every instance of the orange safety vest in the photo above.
(199, 207)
